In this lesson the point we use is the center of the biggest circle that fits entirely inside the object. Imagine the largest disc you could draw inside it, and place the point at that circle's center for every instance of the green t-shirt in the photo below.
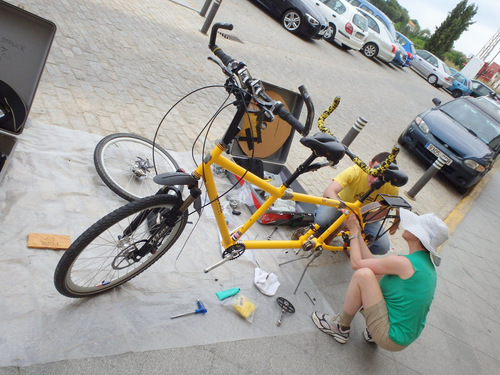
(408, 301)
(354, 184)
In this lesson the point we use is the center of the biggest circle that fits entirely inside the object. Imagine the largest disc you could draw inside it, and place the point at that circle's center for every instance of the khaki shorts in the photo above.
(377, 321)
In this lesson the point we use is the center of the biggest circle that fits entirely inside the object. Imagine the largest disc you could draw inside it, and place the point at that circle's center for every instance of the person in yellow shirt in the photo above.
(350, 185)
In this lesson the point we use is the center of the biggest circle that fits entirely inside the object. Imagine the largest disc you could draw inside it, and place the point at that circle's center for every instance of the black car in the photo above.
(465, 130)
(298, 16)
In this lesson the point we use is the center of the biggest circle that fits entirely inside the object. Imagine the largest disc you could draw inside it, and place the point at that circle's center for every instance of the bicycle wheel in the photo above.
(125, 164)
(105, 255)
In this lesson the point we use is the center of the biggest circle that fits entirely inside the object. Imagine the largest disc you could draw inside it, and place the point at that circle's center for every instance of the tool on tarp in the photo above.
(200, 310)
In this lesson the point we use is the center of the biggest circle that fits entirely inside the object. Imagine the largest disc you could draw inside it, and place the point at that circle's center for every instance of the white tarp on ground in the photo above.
(51, 187)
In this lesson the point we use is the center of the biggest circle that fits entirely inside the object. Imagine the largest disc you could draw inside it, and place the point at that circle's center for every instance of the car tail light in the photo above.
(469, 85)
(410, 56)
(393, 48)
(446, 78)
(348, 28)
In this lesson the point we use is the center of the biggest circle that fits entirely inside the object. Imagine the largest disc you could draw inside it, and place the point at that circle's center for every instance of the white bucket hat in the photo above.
(429, 229)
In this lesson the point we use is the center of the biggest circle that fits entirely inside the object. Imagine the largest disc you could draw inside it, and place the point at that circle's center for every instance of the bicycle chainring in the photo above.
(234, 251)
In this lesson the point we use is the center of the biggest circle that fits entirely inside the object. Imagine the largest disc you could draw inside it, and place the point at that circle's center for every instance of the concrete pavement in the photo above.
(118, 66)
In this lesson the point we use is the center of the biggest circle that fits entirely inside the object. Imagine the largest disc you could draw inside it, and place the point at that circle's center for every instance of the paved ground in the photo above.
(119, 65)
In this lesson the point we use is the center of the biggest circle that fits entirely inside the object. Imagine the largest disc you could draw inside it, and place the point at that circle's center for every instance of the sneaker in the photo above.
(367, 335)
(299, 233)
(330, 325)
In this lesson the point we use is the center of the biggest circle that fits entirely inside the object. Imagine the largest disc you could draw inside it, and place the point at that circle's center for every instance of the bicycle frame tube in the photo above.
(230, 238)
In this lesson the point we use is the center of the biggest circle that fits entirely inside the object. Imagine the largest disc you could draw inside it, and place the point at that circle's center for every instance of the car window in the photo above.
(432, 60)
(373, 25)
(473, 119)
(401, 41)
(366, 9)
(423, 54)
(360, 21)
(412, 48)
(460, 78)
(355, 3)
(336, 5)
(446, 69)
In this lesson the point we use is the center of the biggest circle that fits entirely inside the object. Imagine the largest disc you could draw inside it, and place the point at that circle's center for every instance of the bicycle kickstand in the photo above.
(315, 254)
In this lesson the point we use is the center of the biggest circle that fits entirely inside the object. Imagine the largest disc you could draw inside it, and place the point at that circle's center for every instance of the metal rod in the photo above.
(433, 169)
(354, 131)
(211, 16)
(205, 7)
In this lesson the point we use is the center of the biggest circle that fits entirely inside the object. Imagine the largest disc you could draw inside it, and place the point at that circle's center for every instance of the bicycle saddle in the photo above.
(395, 176)
(323, 144)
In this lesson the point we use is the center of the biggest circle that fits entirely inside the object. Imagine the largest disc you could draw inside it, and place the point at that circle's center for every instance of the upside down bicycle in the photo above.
(130, 239)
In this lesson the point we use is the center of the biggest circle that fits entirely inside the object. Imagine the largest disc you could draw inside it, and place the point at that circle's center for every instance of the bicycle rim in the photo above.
(125, 164)
(100, 259)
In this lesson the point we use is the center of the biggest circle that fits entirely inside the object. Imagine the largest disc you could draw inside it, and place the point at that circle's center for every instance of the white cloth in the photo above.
(266, 282)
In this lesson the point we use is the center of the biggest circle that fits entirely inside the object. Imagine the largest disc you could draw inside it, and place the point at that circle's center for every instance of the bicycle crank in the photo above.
(232, 252)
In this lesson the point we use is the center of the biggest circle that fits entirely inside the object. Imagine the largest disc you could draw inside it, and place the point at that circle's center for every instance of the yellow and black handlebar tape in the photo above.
(376, 172)
(325, 114)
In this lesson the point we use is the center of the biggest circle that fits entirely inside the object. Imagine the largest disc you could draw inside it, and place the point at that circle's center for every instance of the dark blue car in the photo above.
(409, 47)
(464, 131)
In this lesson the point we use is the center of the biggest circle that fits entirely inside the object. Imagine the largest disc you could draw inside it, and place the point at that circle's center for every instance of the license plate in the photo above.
(434, 150)
(359, 35)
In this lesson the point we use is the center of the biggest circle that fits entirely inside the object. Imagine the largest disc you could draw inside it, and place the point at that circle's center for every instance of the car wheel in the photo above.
(456, 93)
(330, 32)
(370, 50)
(432, 79)
(291, 21)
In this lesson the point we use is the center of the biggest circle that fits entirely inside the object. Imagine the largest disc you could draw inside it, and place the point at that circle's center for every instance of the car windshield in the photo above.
(474, 120)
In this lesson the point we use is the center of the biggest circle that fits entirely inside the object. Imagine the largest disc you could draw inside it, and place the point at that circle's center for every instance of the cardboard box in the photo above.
(25, 41)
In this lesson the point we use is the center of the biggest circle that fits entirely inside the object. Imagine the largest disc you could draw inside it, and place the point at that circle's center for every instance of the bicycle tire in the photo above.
(98, 261)
(124, 163)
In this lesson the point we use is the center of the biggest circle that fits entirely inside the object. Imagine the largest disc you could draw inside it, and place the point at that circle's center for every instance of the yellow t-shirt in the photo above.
(354, 184)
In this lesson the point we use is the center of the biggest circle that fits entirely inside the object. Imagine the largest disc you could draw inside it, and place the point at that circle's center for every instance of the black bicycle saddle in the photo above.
(323, 144)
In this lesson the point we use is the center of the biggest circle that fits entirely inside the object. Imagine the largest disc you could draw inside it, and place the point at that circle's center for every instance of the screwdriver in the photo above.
(200, 310)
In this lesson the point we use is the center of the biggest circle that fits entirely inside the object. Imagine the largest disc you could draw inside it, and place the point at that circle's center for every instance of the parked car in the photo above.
(408, 45)
(480, 89)
(377, 13)
(379, 42)
(432, 68)
(401, 56)
(298, 16)
(346, 25)
(465, 130)
(461, 85)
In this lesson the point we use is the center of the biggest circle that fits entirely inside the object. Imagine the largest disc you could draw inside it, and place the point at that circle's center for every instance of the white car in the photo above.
(346, 25)
(379, 42)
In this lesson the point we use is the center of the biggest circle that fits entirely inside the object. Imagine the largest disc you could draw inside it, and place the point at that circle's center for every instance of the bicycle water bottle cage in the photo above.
(323, 144)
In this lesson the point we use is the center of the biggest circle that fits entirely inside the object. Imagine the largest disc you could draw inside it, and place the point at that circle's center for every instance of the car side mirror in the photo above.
(436, 101)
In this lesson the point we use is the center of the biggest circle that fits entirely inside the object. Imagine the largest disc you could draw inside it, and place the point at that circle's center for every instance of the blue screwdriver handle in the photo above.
(201, 308)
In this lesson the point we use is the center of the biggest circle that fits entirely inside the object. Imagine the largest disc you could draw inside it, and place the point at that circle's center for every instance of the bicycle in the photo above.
(130, 239)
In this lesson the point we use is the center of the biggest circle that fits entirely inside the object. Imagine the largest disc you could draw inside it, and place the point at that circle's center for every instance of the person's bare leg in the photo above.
(363, 290)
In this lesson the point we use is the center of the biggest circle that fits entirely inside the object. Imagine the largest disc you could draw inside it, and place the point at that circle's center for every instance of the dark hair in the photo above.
(379, 158)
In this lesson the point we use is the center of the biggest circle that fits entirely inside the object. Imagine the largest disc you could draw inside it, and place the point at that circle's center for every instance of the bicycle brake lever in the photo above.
(224, 68)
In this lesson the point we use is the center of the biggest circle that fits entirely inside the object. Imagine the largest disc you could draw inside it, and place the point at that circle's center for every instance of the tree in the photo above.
(458, 21)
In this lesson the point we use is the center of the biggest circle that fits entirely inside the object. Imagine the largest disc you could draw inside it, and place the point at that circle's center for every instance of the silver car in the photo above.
(432, 68)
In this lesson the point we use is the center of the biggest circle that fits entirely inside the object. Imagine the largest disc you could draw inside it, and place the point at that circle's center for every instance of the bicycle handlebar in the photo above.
(262, 99)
